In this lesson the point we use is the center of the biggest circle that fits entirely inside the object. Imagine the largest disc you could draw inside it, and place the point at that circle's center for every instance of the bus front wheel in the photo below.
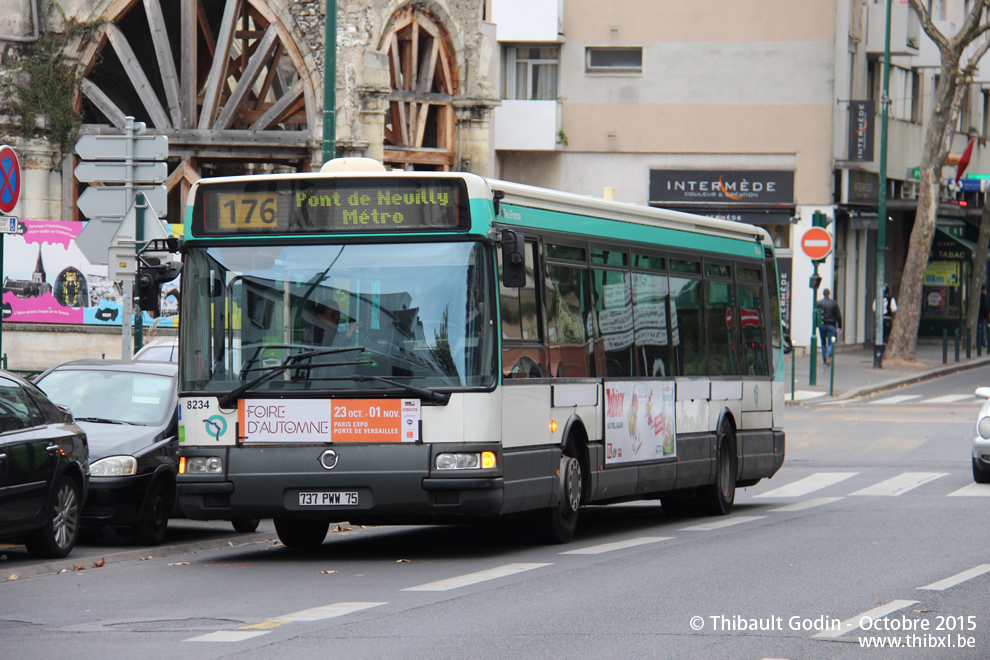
(717, 499)
(557, 524)
(301, 532)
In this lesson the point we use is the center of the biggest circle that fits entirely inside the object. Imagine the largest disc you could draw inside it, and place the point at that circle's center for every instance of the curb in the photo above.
(69, 563)
(893, 384)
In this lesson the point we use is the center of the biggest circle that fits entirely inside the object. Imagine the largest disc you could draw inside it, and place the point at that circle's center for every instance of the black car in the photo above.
(44, 470)
(129, 411)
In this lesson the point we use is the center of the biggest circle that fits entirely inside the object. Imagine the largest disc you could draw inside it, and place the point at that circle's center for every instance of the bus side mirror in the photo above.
(513, 259)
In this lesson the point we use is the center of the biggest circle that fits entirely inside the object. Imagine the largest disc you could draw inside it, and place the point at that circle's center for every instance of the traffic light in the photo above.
(815, 282)
(819, 219)
(150, 278)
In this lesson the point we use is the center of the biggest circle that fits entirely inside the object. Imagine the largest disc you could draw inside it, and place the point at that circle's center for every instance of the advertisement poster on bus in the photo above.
(47, 279)
(639, 421)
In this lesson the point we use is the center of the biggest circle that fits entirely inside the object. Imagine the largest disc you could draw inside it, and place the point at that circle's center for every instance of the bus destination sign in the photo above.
(292, 205)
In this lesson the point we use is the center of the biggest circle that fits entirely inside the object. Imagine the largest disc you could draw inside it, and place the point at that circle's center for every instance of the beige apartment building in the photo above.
(743, 110)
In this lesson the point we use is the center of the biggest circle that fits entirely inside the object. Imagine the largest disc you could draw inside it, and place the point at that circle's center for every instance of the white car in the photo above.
(161, 349)
(981, 440)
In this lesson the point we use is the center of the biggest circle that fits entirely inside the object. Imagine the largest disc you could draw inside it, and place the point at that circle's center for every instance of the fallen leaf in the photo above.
(327, 572)
(11, 577)
(78, 567)
(99, 564)
(401, 561)
(179, 563)
(145, 558)
(338, 528)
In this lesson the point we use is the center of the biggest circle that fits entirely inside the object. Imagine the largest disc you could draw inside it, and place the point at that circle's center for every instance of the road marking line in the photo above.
(874, 614)
(972, 490)
(900, 398)
(952, 398)
(942, 585)
(809, 504)
(326, 612)
(228, 636)
(265, 625)
(900, 484)
(707, 527)
(618, 545)
(809, 484)
(475, 578)
(805, 395)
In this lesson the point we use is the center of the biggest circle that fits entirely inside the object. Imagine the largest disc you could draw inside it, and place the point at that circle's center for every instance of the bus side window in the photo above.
(520, 322)
(613, 306)
(570, 322)
(650, 325)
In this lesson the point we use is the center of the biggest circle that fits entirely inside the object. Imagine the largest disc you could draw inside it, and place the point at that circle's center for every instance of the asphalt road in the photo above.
(874, 513)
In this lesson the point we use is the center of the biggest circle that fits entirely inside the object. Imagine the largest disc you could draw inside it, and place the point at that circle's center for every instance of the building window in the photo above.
(614, 60)
(531, 73)
(916, 107)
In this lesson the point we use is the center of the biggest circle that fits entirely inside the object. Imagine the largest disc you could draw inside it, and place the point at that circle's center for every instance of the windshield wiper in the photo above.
(103, 420)
(436, 397)
(291, 362)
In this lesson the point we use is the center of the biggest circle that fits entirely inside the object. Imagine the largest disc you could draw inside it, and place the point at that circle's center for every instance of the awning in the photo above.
(948, 247)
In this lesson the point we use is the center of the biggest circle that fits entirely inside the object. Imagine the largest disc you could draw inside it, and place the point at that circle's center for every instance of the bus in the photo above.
(437, 347)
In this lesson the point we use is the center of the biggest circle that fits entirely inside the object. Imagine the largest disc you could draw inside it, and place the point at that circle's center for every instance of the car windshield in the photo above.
(111, 396)
(341, 316)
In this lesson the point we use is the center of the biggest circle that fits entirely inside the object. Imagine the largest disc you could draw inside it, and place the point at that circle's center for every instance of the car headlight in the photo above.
(114, 466)
(983, 428)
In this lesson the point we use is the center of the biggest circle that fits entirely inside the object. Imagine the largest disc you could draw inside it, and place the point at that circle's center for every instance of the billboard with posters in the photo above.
(47, 279)
(639, 421)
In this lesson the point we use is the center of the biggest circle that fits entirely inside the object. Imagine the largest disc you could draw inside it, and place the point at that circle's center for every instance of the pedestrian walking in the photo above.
(831, 324)
(889, 308)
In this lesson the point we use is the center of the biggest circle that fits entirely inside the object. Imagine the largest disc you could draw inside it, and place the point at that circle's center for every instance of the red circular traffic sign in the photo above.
(816, 243)
(10, 179)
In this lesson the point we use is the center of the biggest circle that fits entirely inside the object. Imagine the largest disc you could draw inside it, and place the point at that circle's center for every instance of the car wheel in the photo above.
(980, 474)
(58, 536)
(245, 525)
(301, 532)
(151, 529)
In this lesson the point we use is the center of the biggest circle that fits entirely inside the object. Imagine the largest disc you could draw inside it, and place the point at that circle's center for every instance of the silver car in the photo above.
(981, 440)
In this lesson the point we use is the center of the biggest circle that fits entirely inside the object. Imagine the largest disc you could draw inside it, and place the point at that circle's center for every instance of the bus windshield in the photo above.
(337, 317)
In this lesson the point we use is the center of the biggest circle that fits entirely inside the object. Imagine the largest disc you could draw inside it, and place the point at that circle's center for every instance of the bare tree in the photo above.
(956, 76)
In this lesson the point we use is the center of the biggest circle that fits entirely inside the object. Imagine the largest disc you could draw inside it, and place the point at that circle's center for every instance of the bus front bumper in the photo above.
(378, 484)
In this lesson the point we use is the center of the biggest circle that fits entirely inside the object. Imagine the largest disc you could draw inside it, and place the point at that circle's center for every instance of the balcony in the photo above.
(522, 21)
(905, 30)
(527, 125)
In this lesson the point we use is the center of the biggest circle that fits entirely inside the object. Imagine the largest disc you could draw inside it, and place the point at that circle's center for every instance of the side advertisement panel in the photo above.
(639, 421)
(47, 279)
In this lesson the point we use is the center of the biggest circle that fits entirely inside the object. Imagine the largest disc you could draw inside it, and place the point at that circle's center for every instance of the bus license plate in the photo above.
(329, 498)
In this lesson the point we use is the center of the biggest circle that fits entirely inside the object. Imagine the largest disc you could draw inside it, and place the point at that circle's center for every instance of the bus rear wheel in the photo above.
(717, 499)
(301, 532)
(557, 524)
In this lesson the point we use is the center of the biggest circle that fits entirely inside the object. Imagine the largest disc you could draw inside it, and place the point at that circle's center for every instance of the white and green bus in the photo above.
(433, 347)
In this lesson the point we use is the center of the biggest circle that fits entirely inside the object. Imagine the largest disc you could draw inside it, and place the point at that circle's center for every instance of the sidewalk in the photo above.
(854, 373)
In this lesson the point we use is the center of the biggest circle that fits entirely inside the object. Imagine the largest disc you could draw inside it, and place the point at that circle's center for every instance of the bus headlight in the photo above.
(200, 465)
(484, 460)
(114, 466)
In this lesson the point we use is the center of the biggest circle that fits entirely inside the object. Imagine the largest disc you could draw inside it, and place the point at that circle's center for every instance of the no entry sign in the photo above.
(10, 179)
(816, 243)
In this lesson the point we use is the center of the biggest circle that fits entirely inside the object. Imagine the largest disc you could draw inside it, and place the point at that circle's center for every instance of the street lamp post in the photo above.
(330, 82)
(878, 340)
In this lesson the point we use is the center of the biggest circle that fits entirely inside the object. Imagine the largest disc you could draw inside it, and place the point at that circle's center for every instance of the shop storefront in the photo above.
(943, 298)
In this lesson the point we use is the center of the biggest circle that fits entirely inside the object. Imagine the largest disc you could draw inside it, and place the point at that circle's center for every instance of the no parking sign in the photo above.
(10, 179)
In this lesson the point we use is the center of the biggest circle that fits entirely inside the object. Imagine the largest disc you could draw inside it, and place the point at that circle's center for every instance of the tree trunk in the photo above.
(938, 140)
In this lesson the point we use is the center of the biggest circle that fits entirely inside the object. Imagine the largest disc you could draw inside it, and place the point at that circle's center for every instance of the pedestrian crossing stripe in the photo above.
(891, 487)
